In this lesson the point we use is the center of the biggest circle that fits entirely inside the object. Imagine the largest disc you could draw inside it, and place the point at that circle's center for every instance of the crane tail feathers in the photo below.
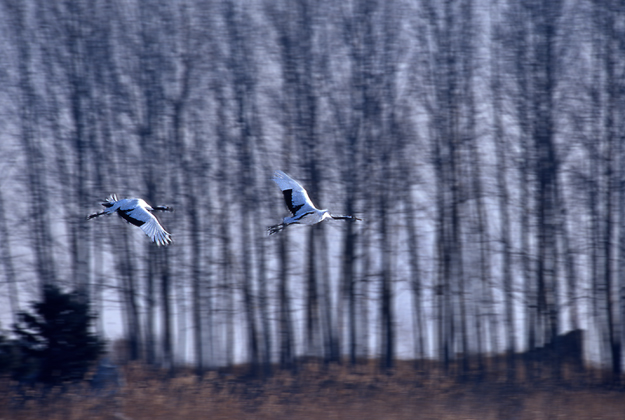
(110, 201)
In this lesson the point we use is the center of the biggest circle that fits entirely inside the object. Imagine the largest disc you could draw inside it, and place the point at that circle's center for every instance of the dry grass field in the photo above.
(316, 393)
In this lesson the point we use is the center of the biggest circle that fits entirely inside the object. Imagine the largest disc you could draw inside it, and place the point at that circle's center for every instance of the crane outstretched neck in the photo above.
(91, 216)
(163, 208)
(345, 217)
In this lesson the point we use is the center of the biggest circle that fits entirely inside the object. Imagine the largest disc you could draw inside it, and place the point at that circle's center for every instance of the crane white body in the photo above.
(299, 204)
(137, 212)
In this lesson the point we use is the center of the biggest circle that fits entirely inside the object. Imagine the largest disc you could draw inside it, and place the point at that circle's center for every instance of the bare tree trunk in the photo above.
(29, 111)
(569, 260)
(150, 300)
(167, 355)
(519, 17)
(349, 283)
(196, 283)
(77, 28)
(332, 352)
(287, 345)
(363, 301)
(127, 273)
(502, 184)
(416, 281)
(544, 82)
(443, 273)
(387, 337)
(312, 299)
(611, 294)
(250, 305)
(263, 305)
(7, 262)
(620, 255)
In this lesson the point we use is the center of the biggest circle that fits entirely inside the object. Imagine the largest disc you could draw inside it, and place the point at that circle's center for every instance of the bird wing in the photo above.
(156, 232)
(137, 212)
(295, 196)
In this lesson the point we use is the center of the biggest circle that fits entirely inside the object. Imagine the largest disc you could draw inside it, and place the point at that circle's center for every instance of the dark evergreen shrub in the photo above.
(54, 341)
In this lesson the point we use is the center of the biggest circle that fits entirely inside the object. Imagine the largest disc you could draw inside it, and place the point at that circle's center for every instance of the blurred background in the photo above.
(481, 142)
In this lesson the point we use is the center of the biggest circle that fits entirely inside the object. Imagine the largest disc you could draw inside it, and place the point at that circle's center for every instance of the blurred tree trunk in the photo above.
(487, 330)
(166, 318)
(545, 17)
(351, 111)
(303, 62)
(243, 67)
(150, 307)
(287, 337)
(76, 26)
(619, 174)
(7, 262)
(226, 290)
(189, 157)
(504, 197)
(197, 300)
(569, 259)
(30, 108)
(312, 343)
(263, 298)
(519, 21)
(620, 182)
(387, 331)
(148, 72)
(416, 280)
(191, 161)
(446, 118)
(331, 339)
(611, 108)
(349, 285)
(129, 291)
(280, 16)
(482, 309)
(364, 297)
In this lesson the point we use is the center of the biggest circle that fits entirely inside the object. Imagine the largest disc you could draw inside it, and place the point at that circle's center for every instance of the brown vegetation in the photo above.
(318, 392)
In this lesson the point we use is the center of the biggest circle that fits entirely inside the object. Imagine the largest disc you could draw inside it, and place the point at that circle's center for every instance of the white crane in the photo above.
(137, 212)
(298, 202)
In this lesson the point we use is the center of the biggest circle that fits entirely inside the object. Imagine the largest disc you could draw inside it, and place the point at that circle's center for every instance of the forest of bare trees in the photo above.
(481, 142)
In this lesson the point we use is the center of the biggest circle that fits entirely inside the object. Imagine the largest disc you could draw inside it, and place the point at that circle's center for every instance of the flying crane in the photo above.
(137, 212)
(299, 204)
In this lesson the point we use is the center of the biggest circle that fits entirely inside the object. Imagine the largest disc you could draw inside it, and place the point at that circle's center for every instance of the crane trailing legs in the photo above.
(299, 204)
(137, 212)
